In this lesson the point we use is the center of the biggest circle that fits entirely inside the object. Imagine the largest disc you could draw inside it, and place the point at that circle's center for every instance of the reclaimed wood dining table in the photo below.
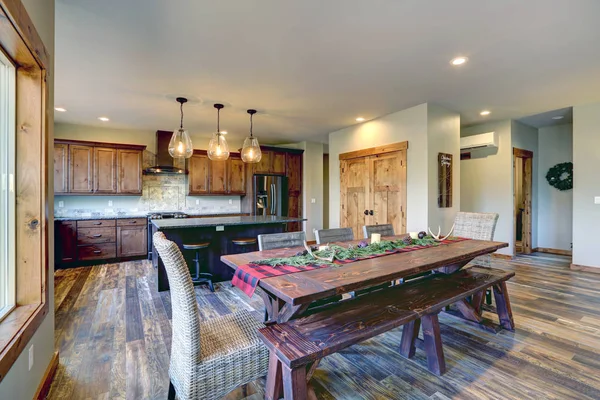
(289, 296)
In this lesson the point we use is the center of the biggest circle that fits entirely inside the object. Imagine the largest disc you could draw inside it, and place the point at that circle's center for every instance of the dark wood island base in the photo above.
(219, 232)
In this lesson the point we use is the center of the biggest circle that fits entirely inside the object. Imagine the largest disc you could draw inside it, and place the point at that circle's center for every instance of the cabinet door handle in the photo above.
(97, 251)
(370, 212)
(97, 235)
(366, 212)
(97, 223)
(134, 222)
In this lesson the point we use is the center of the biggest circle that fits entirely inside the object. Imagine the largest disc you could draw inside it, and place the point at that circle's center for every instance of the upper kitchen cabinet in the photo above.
(271, 162)
(88, 168)
(61, 168)
(129, 167)
(208, 177)
(81, 169)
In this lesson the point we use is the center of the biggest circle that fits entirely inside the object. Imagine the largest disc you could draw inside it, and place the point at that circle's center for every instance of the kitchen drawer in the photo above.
(132, 222)
(97, 252)
(96, 235)
(95, 223)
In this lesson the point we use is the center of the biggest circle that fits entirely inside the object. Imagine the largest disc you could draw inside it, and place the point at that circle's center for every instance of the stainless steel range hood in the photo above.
(165, 164)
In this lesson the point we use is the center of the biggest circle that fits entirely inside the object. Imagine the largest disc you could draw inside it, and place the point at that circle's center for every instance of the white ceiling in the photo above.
(312, 66)
(547, 118)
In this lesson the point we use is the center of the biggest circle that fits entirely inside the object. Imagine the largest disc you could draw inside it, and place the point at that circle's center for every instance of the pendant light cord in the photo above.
(181, 109)
(251, 115)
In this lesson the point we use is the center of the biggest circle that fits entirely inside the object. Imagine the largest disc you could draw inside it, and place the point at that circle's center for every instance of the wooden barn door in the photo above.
(373, 188)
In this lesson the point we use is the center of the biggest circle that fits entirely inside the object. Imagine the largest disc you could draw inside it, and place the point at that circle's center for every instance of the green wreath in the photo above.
(561, 176)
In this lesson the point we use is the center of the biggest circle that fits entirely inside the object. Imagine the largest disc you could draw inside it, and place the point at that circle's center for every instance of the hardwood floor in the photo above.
(113, 332)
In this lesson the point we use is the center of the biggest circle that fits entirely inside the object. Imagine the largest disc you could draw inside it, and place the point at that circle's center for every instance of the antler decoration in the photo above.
(437, 237)
(328, 259)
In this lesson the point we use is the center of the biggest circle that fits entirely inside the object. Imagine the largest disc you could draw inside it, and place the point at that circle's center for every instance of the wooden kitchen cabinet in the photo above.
(293, 171)
(61, 168)
(198, 174)
(132, 237)
(65, 233)
(129, 167)
(105, 170)
(236, 176)
(278, 163)
(271, 162)
(208, 177)
(94, 168)
(81, 169)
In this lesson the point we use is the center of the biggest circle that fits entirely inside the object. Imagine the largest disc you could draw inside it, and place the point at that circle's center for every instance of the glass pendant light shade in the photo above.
(218, 149)
(251, 153)
(180, 145)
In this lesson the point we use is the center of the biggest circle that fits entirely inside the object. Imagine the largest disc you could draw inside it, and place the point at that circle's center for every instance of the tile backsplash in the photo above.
(159, 193)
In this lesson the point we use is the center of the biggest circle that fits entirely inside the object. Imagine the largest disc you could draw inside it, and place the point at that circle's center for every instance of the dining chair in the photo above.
(273, 241)
(208, 358)
(324, 236)
(383, 230)
(480, 226)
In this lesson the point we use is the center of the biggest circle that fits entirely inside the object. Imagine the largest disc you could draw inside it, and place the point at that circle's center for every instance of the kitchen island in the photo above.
(219, 232)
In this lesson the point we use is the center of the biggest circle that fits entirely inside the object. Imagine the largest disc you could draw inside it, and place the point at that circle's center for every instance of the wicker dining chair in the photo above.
(325, 236)
(383, 230)
(480, 226)
(208, 358)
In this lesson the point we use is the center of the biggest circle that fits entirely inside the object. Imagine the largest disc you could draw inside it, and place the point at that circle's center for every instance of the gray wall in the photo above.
(486, 180)
(586, 185)
(526, 138)
(20, 383)
(555, 207)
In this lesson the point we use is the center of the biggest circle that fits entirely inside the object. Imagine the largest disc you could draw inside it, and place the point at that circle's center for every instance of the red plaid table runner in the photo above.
(247, 276)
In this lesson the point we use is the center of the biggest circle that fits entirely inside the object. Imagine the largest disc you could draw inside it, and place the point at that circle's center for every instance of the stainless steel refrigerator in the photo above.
(271, 195)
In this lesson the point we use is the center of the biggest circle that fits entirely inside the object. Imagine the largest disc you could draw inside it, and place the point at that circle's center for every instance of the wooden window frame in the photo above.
(23, 46)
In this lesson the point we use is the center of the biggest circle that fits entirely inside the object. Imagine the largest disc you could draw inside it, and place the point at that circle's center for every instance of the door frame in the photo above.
(527, 157)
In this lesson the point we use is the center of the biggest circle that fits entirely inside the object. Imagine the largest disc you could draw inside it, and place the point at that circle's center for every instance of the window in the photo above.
(7, 186)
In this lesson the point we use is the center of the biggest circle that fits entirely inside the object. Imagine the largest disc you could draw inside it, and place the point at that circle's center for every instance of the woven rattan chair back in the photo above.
(325, 236)
(480, 226)
(281, 240)
(383, 230)
(185, 347)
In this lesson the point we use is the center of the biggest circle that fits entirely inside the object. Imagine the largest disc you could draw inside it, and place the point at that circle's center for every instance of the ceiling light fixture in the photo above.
(360, 119)
(218, 150)
(180, 145)
(459, 60)
(251, 153)
(485, 112)
(224, 132)
(558, 117)
(60, 109)
(104, 119)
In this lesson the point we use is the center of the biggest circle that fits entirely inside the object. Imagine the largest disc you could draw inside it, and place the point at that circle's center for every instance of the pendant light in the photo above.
(218, 150)
(251, 153)
(180, 145)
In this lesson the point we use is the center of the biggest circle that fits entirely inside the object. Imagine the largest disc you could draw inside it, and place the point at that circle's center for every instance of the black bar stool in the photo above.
(200, 277)
(244, 245)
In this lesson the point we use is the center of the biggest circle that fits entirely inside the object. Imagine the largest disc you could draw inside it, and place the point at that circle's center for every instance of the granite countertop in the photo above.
(223, 221)
(144, 214)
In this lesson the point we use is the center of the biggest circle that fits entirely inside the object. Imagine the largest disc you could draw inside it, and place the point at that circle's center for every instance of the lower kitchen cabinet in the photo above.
(132, 241)
(97, 240)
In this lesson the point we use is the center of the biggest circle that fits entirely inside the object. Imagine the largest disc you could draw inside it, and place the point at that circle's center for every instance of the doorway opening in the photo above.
(522, 189)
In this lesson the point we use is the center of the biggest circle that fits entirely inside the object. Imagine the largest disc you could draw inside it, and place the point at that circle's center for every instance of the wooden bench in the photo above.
(297, 345)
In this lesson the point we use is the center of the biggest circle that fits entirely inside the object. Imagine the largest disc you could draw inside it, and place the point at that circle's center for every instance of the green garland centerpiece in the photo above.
(333, 252)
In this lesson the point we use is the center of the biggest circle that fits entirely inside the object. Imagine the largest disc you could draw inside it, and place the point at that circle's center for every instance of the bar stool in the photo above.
(243, 245)
(200, 277)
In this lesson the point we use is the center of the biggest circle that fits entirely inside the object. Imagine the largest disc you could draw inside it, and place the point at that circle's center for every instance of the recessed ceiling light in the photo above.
(104, 119)
(360, 119)
(459, 60)
(558, 117)
(60, 109)
(485, 112)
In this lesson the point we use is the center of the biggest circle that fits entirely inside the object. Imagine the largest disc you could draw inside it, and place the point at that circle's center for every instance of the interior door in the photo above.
(354, 174)
(387, 190)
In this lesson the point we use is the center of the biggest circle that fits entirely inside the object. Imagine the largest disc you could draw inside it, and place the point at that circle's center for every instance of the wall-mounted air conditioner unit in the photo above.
(480, 141)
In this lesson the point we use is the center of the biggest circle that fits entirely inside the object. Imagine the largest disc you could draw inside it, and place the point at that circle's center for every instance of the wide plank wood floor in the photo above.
(113, 332)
